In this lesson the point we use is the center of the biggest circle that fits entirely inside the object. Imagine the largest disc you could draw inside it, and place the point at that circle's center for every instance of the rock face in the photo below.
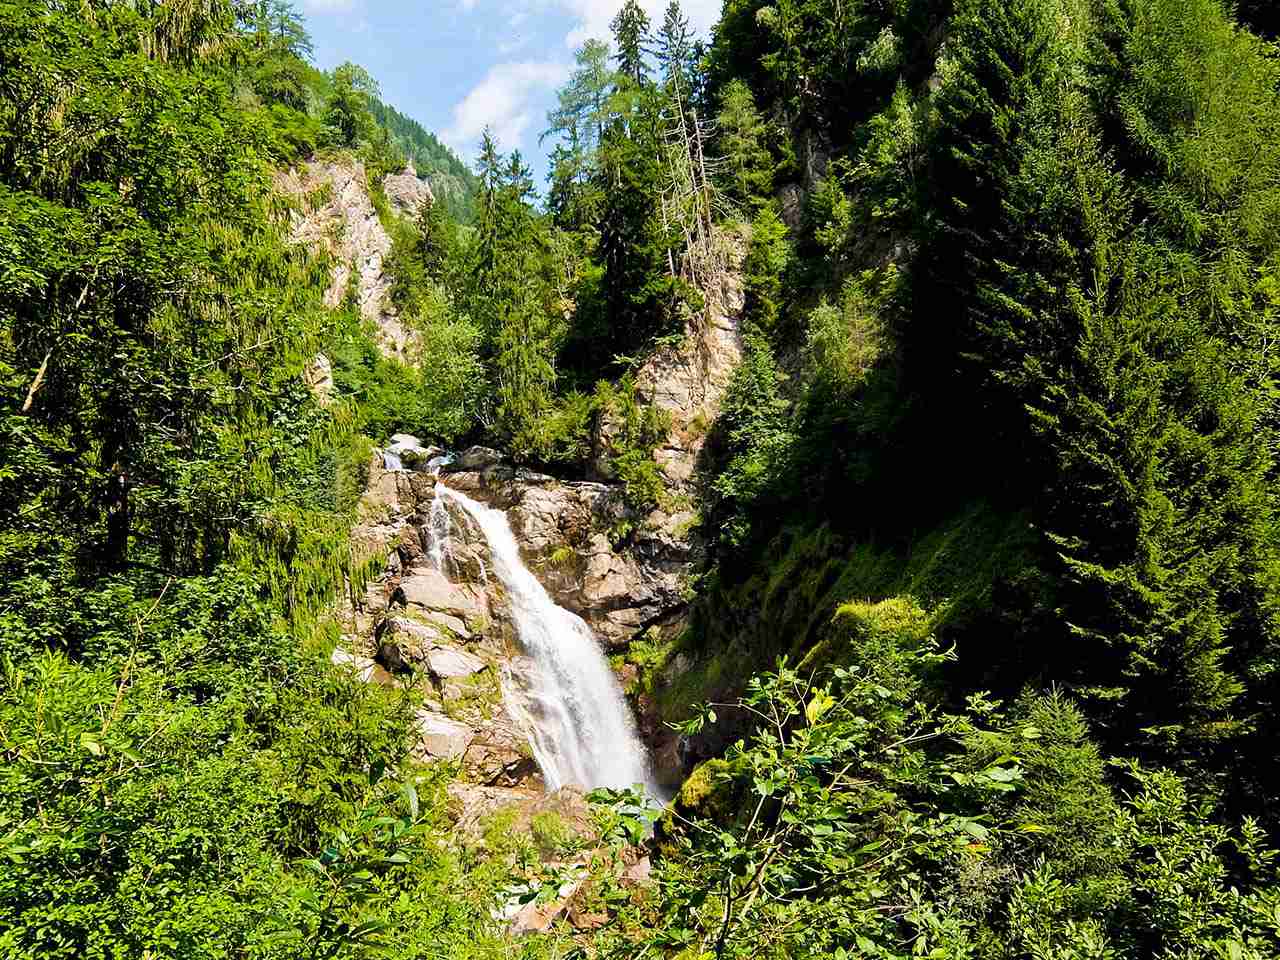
(406, 193)
(562, 529)
(689, 380)
(337, 216)
(433, 619)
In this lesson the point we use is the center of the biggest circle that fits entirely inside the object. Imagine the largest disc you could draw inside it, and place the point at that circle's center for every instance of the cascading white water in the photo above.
(438, 521)
(576, 718)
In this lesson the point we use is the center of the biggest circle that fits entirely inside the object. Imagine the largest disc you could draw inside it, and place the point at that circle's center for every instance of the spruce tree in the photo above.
(631, 39)
(676, 51)
(741, 132)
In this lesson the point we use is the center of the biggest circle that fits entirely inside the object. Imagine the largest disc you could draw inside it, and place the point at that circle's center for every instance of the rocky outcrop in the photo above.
(432, 619)
(336, 215)
(406, 192)
(563, 529)
(688, 380)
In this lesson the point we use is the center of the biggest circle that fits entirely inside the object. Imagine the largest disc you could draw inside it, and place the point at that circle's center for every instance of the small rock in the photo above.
(364, 667)
(318, 376)
(637, 873)
(586, 922)
(452, 662)
(533, 918)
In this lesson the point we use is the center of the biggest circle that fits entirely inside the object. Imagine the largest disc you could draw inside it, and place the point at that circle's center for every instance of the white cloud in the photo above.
(505, 100)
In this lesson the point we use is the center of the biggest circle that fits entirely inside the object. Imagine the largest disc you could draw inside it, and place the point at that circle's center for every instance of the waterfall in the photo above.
(438, 523)
(570, 704)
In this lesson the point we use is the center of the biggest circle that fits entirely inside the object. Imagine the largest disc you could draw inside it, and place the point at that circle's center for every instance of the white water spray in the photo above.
(572, 708)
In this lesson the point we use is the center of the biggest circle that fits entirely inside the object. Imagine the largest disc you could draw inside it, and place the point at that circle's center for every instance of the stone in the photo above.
(638, 873)
(537, 918)
(445, 661)
(429, 589)
(418, 634)
(475, 458)
(791, 200)
(392, 659)
(393, 493)
(318, 376)
(440, 738)
(470, 804)
(409, 450)
(586, 922)
(498, 755)
(363, 667)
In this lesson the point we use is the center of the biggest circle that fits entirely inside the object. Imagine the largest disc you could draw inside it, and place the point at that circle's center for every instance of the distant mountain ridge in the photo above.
(451, 180)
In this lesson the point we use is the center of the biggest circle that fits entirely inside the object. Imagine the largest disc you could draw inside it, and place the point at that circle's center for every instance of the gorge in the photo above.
(835, 515)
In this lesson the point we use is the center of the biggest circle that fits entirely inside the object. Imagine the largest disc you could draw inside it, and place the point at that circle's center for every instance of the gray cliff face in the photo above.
(337, 216)
(407, 193)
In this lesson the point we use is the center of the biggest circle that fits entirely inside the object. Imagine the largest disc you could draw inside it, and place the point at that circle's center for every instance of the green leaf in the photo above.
(410, 794)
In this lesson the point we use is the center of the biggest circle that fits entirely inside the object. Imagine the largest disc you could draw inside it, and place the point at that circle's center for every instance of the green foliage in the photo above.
(997, 835)
(759, 442)
(185, 774)
(765, 268)
(844, 342)
(630, 431)
(741, 140)
(631, 37)
(452, 183)
(553, 836)
(346, 113)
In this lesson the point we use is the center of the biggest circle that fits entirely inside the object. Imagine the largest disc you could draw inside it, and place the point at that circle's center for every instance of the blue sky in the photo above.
(455, 65)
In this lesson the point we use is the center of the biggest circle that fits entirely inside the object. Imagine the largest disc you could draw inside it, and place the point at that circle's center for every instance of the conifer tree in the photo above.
(676, 51)
(631, 39)
(741, 131)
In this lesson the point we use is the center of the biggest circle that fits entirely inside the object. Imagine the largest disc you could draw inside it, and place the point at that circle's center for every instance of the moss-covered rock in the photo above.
(866, 632)
(716, 790)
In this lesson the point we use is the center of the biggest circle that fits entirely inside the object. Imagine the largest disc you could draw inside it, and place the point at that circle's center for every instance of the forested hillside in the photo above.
(451, 180)
(978, 645)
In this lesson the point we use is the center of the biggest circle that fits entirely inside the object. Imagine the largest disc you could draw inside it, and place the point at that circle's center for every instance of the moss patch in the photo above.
(819, 594)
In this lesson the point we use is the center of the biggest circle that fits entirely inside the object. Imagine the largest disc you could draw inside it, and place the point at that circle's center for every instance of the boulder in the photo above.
(391, 659)
(445, 661)
(498, 755)
(415, 637)
(409, 452)
(427, 589)
(475, 458)
(441, 738)
(363, 667)
(392, 493)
